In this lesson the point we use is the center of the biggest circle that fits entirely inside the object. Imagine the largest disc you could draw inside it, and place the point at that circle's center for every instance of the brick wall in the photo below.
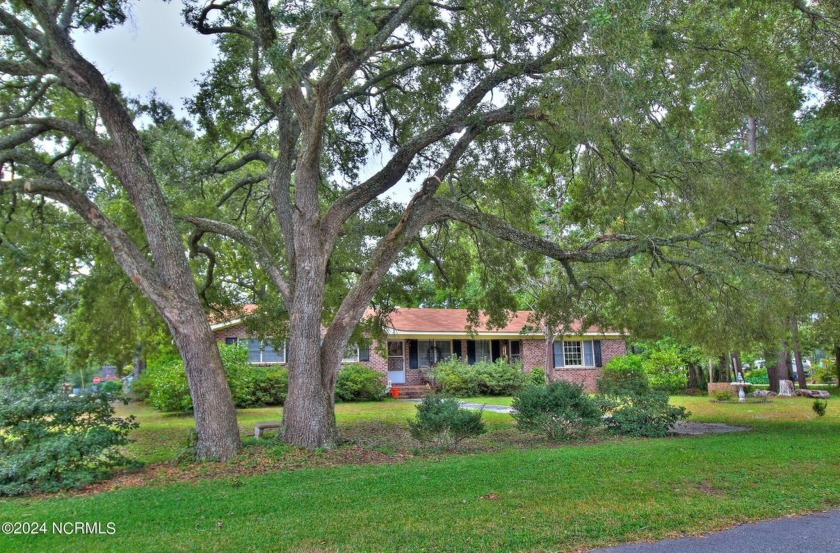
(533, 355)
(238, 331)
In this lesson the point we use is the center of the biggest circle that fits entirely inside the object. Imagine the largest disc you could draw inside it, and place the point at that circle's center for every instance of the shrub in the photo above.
(111, 387)
(455, 377)
(52, 441)
(444, 423)
(825, 372)
(483, 378)
(757, 376)
(723, 395)
(561, 410)
(164, 383)
(359, 383)
(498, 379)
(270, 386)
(647, 415)
(142, 386)
(624, 374)
(536, 376)
(168, 390)
(29, 361)
(819, 407)
(665, 370)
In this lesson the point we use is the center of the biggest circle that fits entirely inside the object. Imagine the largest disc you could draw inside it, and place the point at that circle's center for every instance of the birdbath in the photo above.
(740, 385)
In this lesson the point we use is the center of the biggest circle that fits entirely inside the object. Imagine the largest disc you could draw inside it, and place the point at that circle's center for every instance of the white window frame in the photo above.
(263, 343)
(584, 344)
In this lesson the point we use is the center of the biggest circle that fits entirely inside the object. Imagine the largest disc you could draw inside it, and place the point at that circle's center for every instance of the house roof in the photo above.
(440, 321)
(408, 320)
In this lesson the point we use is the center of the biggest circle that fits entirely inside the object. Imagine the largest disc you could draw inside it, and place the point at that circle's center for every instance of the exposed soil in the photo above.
(700, 428)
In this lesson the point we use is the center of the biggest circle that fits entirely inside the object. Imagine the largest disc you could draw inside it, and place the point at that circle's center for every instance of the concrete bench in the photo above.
(259, 427)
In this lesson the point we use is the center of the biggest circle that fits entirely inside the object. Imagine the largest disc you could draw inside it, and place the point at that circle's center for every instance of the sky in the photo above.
(153, 50)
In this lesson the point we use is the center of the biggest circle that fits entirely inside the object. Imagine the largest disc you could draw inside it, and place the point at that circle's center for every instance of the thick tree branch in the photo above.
(261, 253)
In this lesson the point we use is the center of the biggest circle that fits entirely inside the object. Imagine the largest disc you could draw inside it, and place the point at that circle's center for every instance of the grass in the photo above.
(537, 497)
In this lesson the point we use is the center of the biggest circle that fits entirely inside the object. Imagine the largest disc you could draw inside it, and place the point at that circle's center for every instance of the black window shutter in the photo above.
(470, 352)
(495, 349)
(413, 362)
(515, 347)
(558, 353)
(364, 353)
(597, 347)
(456, 348)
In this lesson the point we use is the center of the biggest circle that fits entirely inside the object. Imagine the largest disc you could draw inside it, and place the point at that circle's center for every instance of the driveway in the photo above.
(818, 533)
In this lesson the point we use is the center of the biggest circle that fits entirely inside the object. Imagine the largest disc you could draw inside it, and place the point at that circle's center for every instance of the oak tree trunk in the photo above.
(797, 354)
(308, 413)
(217, 433)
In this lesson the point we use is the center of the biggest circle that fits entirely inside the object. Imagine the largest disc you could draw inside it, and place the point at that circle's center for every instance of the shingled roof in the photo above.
(433, 320)
(405, 320)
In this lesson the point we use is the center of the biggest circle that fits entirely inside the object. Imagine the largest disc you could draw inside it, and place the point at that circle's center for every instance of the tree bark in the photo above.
(736, 361)
(779, 371)
(549, 354)
(308, 414)
(797, 354)
(217, 433)
(837, 362)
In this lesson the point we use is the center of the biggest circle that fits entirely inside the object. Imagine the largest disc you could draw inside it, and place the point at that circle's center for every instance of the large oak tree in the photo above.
(626, 115)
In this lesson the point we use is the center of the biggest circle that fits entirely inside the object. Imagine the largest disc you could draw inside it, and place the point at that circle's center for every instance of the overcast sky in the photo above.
(154, 50)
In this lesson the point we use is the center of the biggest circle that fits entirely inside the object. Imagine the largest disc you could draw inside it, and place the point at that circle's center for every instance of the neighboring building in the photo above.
(420, 337)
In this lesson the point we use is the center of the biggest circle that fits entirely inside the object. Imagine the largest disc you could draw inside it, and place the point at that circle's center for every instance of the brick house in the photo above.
(420, 337)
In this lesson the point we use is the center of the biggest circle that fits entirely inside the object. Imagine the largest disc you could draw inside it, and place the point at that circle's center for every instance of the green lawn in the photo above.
(536, 497)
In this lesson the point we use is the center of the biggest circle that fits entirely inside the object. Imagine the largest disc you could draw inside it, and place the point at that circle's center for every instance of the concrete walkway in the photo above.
(819, 533)
(476, 406)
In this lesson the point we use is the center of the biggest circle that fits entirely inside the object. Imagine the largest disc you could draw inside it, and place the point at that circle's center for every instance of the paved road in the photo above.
(819, 533)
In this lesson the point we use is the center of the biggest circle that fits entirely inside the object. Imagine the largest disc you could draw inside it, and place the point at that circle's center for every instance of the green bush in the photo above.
(142, 386)
(164, 384)
(483, 378)
(624, 374)
(819, 407)
(723, 395)
(665, 370)
(111, 387)
(359, 383)
(500, 378)
(456, 378)
(825, 372)
(168, 389)
(757, 376)
(52, 441)
(561, 410)
(536, 376)
(647, 415)
(443, 423)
